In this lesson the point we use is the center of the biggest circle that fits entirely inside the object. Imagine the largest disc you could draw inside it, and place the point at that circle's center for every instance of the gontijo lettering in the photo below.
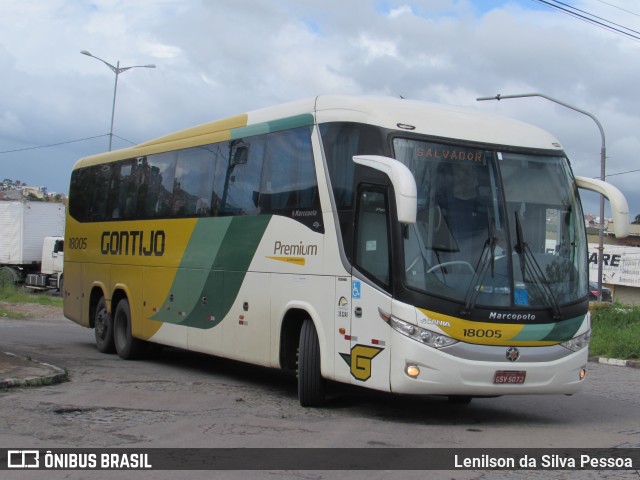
(133, 242)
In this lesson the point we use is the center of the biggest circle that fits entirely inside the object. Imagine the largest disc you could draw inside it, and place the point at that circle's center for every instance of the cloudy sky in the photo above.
(220, 57)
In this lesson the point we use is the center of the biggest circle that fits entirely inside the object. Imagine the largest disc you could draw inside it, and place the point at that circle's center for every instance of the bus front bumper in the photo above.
(418, 369)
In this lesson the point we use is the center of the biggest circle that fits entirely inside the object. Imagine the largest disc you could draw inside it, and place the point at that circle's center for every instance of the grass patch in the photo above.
(615, 332)
(4, 313)
(13, 294)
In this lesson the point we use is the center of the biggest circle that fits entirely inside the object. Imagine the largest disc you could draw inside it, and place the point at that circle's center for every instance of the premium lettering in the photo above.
(133, 242)
(280, 248)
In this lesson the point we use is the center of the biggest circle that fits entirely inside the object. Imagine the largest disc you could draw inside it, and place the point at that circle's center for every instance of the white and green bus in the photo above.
(392, 244)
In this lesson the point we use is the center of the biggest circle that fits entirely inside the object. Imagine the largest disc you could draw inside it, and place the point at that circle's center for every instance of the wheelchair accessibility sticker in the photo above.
(355, 286)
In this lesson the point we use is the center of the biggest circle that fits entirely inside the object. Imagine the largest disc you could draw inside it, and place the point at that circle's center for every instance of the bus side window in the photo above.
(288, 178)
(193, 182)
(238, 176)
(100, 194)
(372, 235)
(130, 193)
(159, 195)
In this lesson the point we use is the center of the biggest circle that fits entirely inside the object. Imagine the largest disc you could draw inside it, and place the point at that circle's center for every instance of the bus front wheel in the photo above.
(128, 347)
(310, 381)
(103, 326)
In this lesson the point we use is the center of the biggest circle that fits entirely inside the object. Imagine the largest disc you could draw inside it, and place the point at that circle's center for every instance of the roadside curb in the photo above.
(46, 374)
(615, 362)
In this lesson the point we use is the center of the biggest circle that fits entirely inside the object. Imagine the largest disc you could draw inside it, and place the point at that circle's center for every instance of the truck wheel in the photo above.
(128, 347)
(310, 381)
(8, 276)
(104, 328)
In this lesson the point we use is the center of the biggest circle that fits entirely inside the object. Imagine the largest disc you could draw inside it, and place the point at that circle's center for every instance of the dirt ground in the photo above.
(32, 309)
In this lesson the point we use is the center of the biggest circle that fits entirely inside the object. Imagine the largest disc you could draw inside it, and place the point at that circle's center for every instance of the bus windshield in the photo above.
(493, 229)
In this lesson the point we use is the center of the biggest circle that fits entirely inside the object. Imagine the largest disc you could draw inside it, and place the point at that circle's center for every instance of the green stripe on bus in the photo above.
(565, 330)
(212, 271)
(550, 332)
(288, 123)
(534, 332)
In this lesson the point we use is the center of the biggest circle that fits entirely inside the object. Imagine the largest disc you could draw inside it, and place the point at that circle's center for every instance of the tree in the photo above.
(637, 220)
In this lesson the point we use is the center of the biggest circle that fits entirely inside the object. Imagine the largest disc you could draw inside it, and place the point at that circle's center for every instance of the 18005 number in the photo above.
(77, 243)
(482, 333)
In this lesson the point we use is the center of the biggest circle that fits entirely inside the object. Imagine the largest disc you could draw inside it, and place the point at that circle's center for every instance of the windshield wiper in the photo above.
(475, 286)
(532, 267)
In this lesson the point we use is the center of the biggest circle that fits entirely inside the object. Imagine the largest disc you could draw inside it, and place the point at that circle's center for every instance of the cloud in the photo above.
(220, 58)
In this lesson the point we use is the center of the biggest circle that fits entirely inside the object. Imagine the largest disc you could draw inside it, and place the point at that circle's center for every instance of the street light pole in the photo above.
(117, 70)
(603, 158)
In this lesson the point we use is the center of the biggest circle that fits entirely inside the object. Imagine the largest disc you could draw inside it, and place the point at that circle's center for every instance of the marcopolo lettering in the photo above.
(133, 242)
(512, 316)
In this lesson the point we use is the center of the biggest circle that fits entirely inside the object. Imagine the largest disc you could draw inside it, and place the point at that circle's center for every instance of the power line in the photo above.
(65, 143)
(124, 139)
(591, 19)
(54, 144)
(595, 16)
(622, 173)
(619, 8)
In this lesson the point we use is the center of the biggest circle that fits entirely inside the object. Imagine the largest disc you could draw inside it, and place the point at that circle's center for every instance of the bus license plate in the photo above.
(509, 377)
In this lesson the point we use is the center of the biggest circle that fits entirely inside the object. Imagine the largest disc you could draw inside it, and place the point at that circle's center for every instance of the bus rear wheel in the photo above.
(128, 347)
(310, 381)
(103, 328)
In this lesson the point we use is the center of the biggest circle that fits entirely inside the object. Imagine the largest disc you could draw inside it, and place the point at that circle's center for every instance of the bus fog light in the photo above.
(583, 373)
(412, 370)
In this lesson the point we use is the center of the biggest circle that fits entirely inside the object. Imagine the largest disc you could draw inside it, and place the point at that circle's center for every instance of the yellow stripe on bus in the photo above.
(490, 333)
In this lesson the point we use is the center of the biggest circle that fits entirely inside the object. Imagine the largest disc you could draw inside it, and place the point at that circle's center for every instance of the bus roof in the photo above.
(438, 120)
(393, 113)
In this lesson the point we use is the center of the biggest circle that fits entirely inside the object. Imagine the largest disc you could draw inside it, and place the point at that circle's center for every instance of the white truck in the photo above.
(32, 244)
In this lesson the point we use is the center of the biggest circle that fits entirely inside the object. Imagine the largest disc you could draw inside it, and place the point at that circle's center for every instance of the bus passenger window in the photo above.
(288, 177)
(193, 182)
(238, 176)
(160, 185)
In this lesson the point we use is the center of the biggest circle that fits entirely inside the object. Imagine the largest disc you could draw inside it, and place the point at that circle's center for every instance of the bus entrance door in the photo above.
(369, 358)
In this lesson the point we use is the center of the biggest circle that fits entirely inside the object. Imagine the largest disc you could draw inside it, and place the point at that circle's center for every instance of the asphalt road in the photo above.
(183, 399)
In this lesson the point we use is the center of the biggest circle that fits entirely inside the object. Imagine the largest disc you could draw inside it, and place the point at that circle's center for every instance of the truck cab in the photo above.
(50, 275)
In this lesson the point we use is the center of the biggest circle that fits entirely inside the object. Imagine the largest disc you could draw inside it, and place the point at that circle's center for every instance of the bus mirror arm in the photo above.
(404, 184)
(619, 206)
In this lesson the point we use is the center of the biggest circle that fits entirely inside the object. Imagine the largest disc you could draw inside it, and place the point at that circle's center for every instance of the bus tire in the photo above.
(310, 381)
(128, 347)
(103, 328)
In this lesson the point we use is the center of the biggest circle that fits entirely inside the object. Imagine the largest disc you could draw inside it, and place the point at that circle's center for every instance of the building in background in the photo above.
(621, 263)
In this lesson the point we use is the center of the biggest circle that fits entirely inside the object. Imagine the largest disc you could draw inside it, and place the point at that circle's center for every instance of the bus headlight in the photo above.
(578, 343)
(422, 335)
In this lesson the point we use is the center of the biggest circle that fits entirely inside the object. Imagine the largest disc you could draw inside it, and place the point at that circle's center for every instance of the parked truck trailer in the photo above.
(25, 257)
